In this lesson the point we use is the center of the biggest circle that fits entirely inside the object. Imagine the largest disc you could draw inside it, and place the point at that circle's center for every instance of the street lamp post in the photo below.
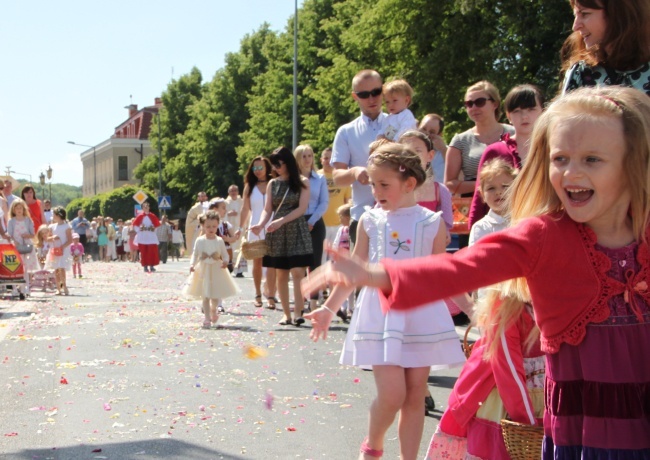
(94, 163)
(49, 178)
(157, 115)
(294, 130)
(42, 180)
(9, 171)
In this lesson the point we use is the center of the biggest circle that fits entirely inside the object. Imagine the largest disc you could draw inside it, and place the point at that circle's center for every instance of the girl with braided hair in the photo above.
(400, 348)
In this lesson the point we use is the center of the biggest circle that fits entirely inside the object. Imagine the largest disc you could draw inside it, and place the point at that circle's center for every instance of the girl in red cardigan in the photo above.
(504, 375)
(579, 245)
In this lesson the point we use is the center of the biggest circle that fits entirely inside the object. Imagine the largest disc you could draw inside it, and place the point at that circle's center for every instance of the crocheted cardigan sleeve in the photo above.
(566, 275)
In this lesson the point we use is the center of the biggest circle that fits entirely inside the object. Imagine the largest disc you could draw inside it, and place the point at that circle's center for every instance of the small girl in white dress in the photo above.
(59, 258)
(209, 277)
(401, 347)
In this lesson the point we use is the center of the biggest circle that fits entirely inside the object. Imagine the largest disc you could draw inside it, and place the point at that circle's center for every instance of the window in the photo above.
(122, 168)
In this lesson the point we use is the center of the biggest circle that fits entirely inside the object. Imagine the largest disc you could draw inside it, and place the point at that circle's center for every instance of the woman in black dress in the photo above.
(289, 248)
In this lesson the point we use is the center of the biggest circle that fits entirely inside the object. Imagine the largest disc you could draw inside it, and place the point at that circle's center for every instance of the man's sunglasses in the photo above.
(480, 102)
(258, 168)
(366, 94)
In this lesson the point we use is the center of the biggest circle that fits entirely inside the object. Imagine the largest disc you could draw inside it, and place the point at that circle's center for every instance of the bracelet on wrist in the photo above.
(329, 309)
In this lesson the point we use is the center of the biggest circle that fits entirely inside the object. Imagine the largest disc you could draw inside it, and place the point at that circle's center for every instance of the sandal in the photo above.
(207, 324)
(271, 302)
(285, 322)
(367, 450)
(258, 301)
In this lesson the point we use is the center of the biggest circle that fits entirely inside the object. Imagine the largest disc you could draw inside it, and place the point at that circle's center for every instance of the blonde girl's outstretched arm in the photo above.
(322, 317)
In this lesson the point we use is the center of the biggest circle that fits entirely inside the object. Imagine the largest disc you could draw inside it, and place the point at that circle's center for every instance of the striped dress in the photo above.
(597, 392)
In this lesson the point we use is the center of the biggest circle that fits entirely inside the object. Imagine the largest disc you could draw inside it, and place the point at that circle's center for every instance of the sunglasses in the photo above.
(366, 94)
(479, 102)
(277, 165)
(258, 168)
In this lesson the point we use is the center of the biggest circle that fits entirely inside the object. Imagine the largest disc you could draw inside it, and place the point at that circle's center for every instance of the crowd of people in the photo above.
(553, 267)
(558, 257)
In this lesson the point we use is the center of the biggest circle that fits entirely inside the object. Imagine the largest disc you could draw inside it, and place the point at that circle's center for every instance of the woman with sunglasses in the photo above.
(289, 248)
(256, 181)
(610, 45)
(483, 105)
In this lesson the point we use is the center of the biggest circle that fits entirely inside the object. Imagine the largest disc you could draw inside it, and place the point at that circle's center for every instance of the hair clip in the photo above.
(402, 168)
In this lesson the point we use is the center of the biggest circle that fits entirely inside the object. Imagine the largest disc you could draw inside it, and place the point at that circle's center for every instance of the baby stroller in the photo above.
(12, 272)
(42, 279)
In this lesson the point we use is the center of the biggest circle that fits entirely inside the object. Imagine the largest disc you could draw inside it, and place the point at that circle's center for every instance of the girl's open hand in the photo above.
(256, 229)
(320, 322)
(343, 269)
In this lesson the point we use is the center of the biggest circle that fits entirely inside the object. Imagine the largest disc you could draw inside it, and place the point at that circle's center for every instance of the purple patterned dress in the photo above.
(598, 392)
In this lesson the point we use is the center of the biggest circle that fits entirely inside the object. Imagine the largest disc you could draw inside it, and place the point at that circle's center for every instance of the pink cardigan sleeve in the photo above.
(508, 369)
(511, 253)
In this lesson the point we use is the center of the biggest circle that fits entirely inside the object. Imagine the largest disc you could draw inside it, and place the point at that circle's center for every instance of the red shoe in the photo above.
(366, 449)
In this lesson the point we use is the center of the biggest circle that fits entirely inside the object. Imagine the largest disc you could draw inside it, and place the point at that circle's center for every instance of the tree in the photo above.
(174, 119)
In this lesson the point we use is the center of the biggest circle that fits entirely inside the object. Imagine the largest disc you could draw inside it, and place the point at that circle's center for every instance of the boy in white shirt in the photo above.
(397, 96)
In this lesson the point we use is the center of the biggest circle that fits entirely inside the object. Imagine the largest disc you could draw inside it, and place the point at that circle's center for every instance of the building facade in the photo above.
(110, 164)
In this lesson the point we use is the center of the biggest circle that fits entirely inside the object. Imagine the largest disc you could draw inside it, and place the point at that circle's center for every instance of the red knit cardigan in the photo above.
(566, 275)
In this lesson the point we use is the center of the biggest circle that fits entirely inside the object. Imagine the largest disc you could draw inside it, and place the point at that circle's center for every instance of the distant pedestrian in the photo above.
(164, 234)
(59, 259)
(77, 251)
(178, 243)
(80, 225)
(145, 227)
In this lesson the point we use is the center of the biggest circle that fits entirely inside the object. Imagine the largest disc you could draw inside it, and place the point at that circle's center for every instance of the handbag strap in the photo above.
(282, 202)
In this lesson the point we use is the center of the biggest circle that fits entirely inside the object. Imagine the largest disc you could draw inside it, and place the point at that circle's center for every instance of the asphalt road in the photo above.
(121, 369)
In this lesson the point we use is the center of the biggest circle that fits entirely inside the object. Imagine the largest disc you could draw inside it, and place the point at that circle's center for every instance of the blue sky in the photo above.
(70, 67)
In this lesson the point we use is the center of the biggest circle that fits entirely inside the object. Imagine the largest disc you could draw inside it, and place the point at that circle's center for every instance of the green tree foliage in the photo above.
(62, 194)
(211, 131)
(118, 203)
(174, 119)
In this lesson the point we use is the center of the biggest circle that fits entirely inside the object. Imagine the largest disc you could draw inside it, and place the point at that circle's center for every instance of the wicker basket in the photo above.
(467, 347)
(524, 442)
(253, 249)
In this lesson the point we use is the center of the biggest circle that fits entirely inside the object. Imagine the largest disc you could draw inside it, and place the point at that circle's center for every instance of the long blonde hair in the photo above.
(300, 151)
(533, 195)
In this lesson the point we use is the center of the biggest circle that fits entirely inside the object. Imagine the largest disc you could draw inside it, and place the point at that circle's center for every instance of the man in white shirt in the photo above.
(234, 203)
(352, 142)
(192, 220)
(10, 197)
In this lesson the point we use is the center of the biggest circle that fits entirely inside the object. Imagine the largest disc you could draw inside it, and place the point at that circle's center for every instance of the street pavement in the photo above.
(121, 369)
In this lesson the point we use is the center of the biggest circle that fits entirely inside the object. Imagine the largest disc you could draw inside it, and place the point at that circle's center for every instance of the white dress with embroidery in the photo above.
(420, 337)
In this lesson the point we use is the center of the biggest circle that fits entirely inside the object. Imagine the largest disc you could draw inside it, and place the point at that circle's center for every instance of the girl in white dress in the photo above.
(59, 258)
(209, 276)
(402, 347)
